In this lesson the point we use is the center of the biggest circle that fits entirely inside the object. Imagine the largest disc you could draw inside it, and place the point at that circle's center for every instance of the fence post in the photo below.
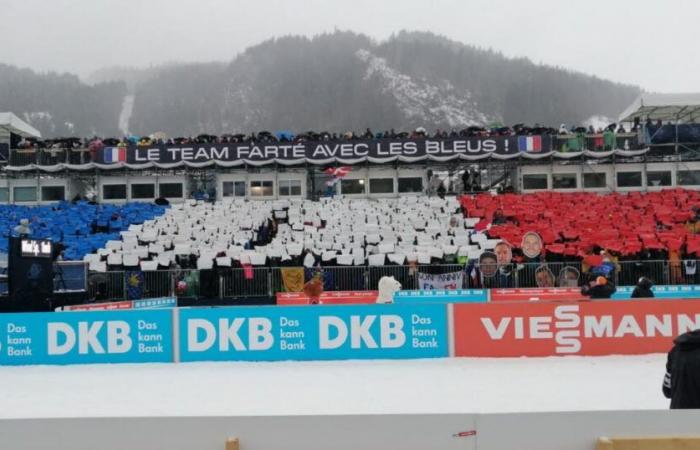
(269, 282)
(221, 285)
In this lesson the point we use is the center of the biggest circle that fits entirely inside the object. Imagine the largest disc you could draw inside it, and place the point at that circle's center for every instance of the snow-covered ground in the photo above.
(482, 385)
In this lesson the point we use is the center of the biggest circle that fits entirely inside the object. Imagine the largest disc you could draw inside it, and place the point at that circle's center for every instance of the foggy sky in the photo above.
(649, 43)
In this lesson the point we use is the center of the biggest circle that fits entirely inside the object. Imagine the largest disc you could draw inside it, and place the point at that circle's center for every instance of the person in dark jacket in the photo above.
(682, 379)
(643, 289)
(598, 289)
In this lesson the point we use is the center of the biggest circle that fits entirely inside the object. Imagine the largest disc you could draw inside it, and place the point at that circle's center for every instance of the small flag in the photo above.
(530, 143)
(114, 154)
(338, 172)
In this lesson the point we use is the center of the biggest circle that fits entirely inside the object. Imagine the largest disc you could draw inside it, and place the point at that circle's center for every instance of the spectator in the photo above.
(643, 289)
(598, 288)
(682, 379)
(441, 191)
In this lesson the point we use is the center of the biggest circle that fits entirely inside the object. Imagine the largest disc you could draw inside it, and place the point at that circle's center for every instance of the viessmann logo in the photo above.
(568, 327)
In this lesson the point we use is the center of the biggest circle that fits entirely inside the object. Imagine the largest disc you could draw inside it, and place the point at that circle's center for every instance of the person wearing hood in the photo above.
(643, 289)
(682, 380)
(598, 289)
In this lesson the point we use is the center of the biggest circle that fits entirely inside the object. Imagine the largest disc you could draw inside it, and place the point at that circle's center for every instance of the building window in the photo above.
(564, 181)
(381, 186)
(114, 191)
(356, 186)
(170, 190)
(535, 181)
(143, 190)
(261, 189)
(629, 179)
(410, 184)
(659, 178)
(4, 195)
(53, 193)
(289, 188)
(25, 194)
(594, 180)
(688, 177)
(234, 189)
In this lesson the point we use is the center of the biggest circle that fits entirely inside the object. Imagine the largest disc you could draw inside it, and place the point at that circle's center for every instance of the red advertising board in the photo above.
(586, 328)
(537, 294)
(124, 304)
(329, 298)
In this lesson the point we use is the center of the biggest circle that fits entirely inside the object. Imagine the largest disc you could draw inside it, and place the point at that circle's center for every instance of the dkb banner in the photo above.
(313, 333)
(378, 150)
(86, 337)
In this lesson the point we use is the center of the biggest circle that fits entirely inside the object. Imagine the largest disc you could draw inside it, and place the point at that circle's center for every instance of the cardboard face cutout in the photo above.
(544, 277)
(488, 264)
(504, 254)
(568, 277)
(531, 244)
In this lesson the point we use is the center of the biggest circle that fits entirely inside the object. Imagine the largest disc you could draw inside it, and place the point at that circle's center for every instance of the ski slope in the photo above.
(450, 385)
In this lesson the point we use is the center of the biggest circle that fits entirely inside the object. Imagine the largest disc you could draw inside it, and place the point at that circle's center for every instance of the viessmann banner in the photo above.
(378, 150)
(585, 328)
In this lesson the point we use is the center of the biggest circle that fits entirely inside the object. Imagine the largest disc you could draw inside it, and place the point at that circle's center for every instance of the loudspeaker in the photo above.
(30, 279)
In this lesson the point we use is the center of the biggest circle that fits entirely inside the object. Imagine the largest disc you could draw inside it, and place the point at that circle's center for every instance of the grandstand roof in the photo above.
(14, 124)
(685, 107)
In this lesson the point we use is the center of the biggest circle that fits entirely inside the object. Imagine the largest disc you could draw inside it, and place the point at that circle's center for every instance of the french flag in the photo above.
(114, 154)
(530, 143)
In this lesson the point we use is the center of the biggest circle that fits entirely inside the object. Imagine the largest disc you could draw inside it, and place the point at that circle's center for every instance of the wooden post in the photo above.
(232, 444)
(604, 444)
(649, 443)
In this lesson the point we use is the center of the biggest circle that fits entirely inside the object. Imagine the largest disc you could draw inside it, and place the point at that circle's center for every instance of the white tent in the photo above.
(664, 107)
(13, 124)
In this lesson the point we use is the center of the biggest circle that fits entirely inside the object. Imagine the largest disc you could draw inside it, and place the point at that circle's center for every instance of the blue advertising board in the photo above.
(313, 333)
(662, 291)
(86, 337)
(442, 296)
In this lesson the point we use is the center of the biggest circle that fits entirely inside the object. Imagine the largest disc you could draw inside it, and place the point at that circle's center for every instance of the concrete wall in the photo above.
(528, 431)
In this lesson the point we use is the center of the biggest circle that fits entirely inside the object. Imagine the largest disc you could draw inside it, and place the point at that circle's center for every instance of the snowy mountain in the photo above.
(422, 100)
(336, 82)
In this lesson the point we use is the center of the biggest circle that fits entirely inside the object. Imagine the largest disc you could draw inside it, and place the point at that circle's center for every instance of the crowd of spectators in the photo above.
(286, 136)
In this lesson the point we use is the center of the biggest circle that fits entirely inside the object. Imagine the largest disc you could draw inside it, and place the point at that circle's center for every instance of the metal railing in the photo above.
(267, 281)
(596, 142)
(49, 156)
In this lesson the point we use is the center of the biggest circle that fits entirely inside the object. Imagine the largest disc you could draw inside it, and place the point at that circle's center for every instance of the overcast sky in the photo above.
(653, 44)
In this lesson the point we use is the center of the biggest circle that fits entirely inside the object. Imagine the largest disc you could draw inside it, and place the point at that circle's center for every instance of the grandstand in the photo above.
(475, 226)
(364, 206)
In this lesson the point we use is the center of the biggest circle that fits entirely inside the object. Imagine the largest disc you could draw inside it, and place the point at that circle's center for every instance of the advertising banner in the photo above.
(314, 333)
(323, 152)
(692, 291)
(537, 294)
(453, 280)
(574, 294)
(329, 298)
(442, 296)
(86, 337)
(151, 303)
(585, 328)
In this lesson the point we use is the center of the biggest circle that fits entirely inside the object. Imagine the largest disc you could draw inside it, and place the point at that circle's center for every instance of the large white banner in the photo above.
(453, 280)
